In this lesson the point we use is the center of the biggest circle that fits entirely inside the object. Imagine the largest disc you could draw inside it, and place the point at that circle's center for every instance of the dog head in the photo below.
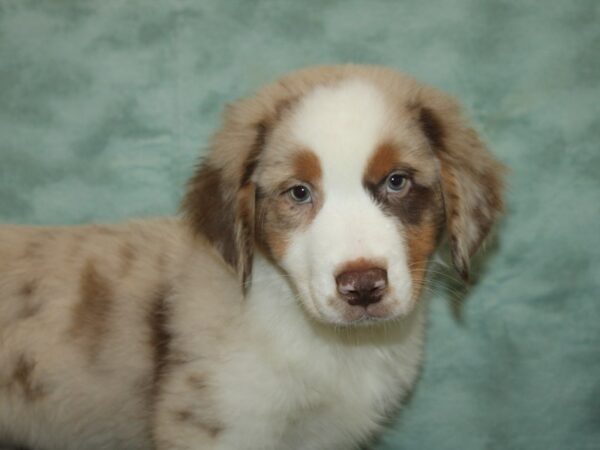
(347, 178)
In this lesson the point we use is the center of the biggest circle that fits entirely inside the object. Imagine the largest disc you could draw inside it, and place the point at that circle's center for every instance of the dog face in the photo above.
(346, 178)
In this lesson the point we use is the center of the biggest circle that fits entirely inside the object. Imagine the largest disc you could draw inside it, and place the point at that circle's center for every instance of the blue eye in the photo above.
(396, 182)
(300, 194)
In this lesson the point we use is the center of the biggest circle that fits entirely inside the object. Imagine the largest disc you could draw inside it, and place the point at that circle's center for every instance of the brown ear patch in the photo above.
(432, 127)
(254, 154)
(246, 200)
(211, 212)
(219, 203)
(471, 179)
(453, 218)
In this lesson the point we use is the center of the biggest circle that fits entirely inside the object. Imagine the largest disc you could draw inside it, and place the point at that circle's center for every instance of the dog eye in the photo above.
(396, 182)
(300, 194)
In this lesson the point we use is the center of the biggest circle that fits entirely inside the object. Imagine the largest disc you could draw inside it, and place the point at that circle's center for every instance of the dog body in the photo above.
(282, 311)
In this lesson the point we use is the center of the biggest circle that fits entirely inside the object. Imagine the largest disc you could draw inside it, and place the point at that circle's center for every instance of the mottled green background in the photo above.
(105, 105)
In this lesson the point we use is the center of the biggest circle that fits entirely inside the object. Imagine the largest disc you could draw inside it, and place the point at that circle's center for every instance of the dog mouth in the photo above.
(354, 315)
(329, 307)
(335, 311)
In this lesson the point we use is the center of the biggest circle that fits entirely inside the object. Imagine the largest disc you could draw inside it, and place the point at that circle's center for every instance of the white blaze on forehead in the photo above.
(343, 124)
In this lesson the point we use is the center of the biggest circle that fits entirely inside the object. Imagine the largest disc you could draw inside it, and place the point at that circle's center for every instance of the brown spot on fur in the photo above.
(90, 316)
(28, 289)
(183, 416)
(213, 431)
(160, 337)
(29, 306)
(382, 162)
(307, 167)
(23, 377)
(196, 381)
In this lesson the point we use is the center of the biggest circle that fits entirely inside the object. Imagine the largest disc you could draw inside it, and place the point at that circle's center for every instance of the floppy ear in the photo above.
(471, 178)
(220, 198)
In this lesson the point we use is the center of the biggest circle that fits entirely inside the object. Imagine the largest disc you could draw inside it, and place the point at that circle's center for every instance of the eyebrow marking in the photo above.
(252, 159)
(307, 166)
(383, 160)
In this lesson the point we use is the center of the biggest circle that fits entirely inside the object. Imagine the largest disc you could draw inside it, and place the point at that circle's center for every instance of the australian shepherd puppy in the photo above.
(282, 310)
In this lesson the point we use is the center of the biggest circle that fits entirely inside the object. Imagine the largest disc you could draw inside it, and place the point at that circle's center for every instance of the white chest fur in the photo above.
(293, 383)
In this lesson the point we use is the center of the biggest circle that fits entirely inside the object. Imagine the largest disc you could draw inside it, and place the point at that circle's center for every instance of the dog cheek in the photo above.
(276, 241)
(420, 242)
(272, 232)
(298, 264)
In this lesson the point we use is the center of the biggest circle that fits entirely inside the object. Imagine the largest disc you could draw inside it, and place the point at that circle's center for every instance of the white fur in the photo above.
(343, 125)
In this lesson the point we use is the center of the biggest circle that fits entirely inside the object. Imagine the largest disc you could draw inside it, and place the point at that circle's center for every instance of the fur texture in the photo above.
(282, 310)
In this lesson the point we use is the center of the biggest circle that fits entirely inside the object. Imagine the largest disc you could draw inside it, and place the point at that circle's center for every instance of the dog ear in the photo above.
(221, 196)
(471, 178)
(220, 199)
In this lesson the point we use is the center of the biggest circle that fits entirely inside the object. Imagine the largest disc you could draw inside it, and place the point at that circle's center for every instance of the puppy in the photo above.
(281, 310)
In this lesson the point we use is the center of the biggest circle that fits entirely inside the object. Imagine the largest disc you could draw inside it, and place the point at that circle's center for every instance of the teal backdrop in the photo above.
(105, 106)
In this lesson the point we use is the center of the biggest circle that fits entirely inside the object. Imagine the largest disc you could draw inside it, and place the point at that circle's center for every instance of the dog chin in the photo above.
(355, 316)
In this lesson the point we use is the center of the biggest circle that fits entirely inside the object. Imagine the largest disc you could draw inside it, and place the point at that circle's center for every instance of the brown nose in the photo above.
(362, 287)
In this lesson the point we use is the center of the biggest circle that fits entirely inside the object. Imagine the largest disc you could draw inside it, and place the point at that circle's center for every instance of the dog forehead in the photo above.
(342, 124)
